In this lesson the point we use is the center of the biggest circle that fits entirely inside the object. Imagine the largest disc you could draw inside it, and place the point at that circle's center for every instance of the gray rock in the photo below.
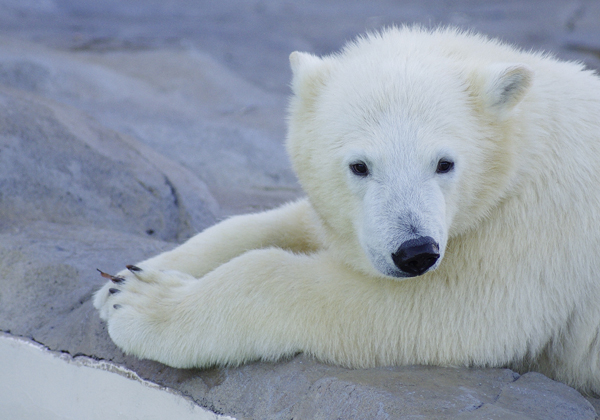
(254, 37)
(49, 275)
(182, 104)
(60, 166)
(524, 394)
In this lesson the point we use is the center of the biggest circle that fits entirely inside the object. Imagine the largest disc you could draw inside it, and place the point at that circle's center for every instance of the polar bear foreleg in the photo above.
(271, 303)
(260, 305)
(292, 227)
(265, 304)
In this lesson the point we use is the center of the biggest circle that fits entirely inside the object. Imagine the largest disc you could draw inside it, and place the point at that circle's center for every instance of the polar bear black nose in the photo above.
(415, 256)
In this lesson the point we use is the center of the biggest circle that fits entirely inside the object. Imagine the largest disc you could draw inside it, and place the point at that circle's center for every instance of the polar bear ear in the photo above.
(506, 85)
(309, 73)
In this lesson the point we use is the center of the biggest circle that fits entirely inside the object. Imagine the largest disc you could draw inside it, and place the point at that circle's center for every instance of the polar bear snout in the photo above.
(415, 256)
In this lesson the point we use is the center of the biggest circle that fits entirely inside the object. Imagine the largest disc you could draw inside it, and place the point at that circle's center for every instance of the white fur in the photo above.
(517, 283)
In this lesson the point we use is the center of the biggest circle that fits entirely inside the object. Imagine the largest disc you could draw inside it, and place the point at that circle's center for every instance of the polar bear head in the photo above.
(403, 141)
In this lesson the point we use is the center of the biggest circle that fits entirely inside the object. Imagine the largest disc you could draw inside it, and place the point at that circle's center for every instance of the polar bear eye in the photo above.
(359, 168)
(444, 166)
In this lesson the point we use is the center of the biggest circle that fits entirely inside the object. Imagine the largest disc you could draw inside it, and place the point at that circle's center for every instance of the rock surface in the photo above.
(126, 127)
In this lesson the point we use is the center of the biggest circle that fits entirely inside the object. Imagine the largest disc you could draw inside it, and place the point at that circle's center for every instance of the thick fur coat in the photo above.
(451, 218)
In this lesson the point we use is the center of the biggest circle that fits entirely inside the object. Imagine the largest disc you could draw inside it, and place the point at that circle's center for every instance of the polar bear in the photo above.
(452, 218)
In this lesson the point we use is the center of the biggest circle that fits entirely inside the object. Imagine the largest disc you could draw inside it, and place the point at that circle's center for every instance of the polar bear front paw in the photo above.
(140, 306)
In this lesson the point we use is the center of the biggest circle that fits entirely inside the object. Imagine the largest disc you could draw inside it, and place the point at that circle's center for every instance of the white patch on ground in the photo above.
(39, 384)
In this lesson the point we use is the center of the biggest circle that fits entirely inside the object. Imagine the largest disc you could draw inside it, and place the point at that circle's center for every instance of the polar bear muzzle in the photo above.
(416, 256)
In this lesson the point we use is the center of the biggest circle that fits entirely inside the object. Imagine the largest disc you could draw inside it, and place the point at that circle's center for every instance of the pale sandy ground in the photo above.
(40, 384)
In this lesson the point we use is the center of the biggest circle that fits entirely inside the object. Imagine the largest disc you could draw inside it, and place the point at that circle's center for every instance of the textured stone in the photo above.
(60, 166)
(182, 104)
